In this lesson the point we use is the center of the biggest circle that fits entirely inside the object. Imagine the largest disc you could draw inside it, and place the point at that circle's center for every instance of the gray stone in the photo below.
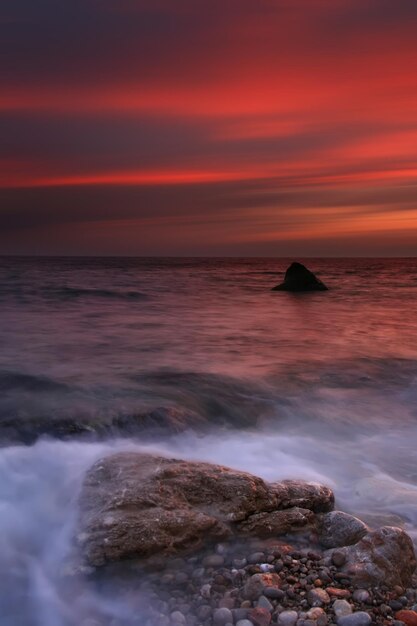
(213, 560)
(264, 603)
(222, 616)
(256, 557)
(341, 608)
(287, 618)
(338, 529)
(244, 622)
(360, 618)
(274, 593)
(362, 595)
(177, 617)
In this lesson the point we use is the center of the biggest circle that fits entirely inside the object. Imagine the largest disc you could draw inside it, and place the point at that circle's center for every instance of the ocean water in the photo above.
(320, 386)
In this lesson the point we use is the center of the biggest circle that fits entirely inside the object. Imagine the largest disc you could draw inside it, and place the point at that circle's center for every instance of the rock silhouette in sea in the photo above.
(299, 278)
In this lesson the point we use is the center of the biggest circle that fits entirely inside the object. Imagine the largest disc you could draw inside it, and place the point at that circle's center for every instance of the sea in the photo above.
(320, 386)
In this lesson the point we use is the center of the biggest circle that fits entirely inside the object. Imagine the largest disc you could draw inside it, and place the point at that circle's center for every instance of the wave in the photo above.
(83, 292)
(20, 381)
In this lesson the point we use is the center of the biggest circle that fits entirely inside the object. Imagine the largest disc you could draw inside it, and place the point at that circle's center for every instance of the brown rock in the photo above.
(383, 556)
(136, 505)
(256, 585)
(408, 617)
(338, 593)
(305, 495)
(277, 522)
(259, 616)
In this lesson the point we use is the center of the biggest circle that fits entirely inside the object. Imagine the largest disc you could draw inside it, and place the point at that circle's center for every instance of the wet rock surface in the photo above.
(337, 529)
(385, 555)
(191, 591)
(299, 278)
(156, 523)
(137, 505)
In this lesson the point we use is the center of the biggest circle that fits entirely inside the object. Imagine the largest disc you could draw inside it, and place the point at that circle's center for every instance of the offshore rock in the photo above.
(384, 556)
(299, 278)
(136, 505)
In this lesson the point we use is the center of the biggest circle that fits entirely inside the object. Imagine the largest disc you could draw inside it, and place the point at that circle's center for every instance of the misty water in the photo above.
(319, 386)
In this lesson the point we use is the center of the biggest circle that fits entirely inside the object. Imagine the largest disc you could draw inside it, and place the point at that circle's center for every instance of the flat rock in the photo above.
(337, 528)
(299, 278)
(135, 505)
(383, 556)
(277, 522)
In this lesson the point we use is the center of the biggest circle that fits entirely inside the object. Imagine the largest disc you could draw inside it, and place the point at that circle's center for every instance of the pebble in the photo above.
(244, 622)
(259, 616)
(318, 615)
(408, 617)
(341, 608)
(264, 603)
(274, 593)
(360, 618)
(256, 557)
(287, 618)
(338, 593)
(178, 618)
(213, 560)
(318, 597)
(205, 591)
(338, 558)
(222, 616)
(362, 595)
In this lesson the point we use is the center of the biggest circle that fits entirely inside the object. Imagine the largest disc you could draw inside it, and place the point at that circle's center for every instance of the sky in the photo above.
(208, 127)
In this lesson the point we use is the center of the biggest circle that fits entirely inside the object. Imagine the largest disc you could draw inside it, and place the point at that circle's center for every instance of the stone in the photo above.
(317, 615)
(136, 505)
(256, 584)
(299, 278)
(259, 616)
(318, 597)
(362, 595)
(177, 618)
(304, 495)
(213, 560)
(264, 603)
(383, 556)
(244, 622)
(337, 528)
(287, 618)
(222, 616)
(341, 608)
(408, 617)
(277, 523)
(359, 618)
(334, 592)
(256, 557)
(274, 593)
(338, 558)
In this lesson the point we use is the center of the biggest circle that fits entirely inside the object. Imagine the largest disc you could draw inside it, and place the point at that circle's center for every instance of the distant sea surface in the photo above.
(320, 386)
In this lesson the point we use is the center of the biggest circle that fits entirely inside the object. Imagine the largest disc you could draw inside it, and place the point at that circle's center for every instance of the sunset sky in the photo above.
(208, 127)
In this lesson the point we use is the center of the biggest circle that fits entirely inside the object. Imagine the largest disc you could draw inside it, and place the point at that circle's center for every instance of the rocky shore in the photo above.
(200, 544)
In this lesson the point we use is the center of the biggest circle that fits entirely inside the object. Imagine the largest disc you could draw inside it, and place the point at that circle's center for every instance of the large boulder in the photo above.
(383, 556)
(136, 505)
(299, 278)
